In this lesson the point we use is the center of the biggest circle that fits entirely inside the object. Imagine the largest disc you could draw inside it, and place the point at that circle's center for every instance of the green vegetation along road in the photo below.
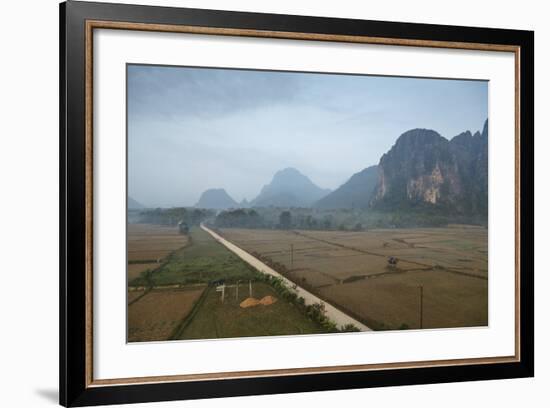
(336, 315)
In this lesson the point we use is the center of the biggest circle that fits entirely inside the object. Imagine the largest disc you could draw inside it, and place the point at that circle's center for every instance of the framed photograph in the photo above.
(256, 203)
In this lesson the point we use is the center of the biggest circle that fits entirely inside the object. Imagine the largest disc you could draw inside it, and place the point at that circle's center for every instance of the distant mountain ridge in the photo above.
(216, 199)
(357, 192)
(289, 188)
(134, 205)
(424, 168)
(421, 170)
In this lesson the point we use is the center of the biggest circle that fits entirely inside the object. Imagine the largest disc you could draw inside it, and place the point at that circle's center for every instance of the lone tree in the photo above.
(285, 220)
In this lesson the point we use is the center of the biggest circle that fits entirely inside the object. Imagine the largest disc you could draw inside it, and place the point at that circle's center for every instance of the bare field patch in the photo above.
(135, 270)
(392, 301)
(148, 242)
(311, 277)
(134, 294)
(459, 248)
(350, 270)
(156, 315)
(355, 265)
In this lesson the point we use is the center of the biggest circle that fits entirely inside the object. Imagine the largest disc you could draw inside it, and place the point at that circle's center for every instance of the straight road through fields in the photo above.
(337, 316)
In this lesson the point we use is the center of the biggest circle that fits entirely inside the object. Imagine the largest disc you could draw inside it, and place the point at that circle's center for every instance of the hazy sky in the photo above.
(190, 129)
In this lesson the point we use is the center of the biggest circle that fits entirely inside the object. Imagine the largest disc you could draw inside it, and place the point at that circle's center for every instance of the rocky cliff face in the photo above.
(424, 168)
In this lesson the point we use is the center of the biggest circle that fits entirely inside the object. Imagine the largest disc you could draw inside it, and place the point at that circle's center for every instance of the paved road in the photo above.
(334, 314)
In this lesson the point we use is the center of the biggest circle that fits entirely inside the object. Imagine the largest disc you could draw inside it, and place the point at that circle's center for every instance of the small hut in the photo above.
(183, 228)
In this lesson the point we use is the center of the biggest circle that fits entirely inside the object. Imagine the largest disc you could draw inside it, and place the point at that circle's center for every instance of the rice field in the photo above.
(149, 245)
(156, 315)
(217, 319)
(178, 299)
(351, 271)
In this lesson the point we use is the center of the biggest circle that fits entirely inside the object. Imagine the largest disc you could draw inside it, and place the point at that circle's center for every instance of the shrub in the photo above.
(348, 328)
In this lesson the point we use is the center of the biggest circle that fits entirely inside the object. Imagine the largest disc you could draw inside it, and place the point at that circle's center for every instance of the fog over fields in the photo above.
(193, 129)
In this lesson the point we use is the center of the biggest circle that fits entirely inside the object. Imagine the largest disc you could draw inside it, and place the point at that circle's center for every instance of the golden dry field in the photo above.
(156, 315)
(178, 299)
(351, 271)
(135, 269)
(149, 243)
(134, 294)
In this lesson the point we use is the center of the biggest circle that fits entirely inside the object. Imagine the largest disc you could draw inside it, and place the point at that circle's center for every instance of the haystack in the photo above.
(268, 300)
(249, 302)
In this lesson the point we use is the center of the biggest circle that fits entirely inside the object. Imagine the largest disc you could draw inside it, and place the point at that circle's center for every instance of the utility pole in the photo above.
(250, 287)
(291, 256)
(421, 306)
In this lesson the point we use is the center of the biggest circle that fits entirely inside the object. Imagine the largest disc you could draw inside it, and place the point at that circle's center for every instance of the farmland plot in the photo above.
(462, 249)
(203, 261)
(351, 271)
(135, 294)
(136, 269)
(217, 319)
(149, 245)
(172, 308)
(393, 301)
(156, 315)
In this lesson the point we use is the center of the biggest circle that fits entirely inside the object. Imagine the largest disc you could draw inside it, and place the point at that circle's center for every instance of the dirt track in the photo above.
(334, 314)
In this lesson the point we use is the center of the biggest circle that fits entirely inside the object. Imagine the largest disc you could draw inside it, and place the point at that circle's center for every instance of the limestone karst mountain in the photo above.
(425, 169)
